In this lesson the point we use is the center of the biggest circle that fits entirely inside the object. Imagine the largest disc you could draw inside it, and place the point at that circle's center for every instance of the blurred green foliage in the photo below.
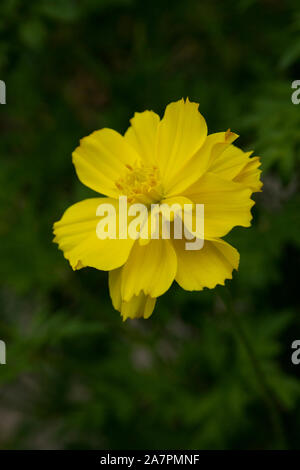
(76, 376)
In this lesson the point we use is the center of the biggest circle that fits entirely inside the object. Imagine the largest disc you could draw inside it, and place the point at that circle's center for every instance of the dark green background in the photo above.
(76, 376)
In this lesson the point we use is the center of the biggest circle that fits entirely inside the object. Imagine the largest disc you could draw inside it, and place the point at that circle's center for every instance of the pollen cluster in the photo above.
(140, 184)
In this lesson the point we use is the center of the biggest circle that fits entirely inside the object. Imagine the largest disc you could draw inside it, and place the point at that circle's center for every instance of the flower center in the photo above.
(141, 184)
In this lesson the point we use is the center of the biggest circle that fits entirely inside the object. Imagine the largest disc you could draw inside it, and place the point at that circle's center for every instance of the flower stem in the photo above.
(271, 401)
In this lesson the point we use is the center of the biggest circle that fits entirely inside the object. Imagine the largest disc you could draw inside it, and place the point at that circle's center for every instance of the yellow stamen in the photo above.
(141, 184)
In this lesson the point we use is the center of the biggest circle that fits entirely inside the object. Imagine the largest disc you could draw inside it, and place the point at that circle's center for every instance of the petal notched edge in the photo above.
(139, 306)
(208, 267)
(76, 235)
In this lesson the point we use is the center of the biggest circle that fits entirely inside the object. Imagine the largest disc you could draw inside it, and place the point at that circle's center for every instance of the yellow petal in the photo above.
(211, 265)
(226, 204)
(167, 210)
(229, 162)
(114, 284)
(213, 146)
(101, 159)
(138, 306)
(250, 175)
(150, 268)
(182, 132)
(76, 236)
(142, 135)
(236, 165)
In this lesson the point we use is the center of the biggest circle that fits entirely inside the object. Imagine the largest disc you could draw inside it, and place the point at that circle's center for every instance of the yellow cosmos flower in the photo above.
(160, 160)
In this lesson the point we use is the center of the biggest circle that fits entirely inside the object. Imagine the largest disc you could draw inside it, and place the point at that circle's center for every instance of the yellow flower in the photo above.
(168, 160)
